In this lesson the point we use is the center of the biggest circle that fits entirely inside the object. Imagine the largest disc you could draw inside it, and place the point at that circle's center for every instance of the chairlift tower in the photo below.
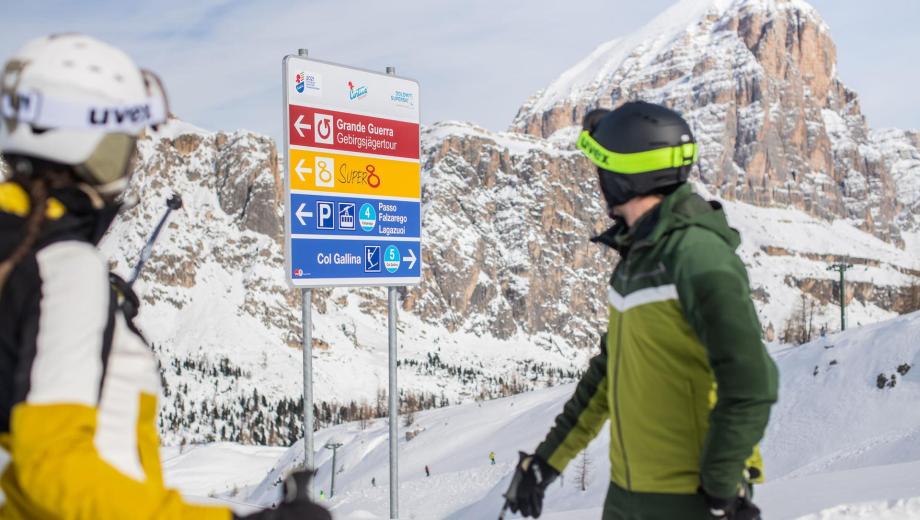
(333, 446)
(842, 269)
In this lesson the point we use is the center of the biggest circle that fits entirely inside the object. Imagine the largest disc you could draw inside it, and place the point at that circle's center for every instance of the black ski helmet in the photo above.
(639, 149)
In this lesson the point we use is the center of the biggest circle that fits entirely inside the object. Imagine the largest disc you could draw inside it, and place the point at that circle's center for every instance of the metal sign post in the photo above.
(307, 310)
(393, 394)
(393, 405)
(353, 198)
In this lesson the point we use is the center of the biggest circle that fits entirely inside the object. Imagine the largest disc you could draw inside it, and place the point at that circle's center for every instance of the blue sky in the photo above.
(477, 60)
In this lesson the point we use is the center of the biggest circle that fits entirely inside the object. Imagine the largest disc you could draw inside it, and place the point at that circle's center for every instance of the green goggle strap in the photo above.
(639, 162)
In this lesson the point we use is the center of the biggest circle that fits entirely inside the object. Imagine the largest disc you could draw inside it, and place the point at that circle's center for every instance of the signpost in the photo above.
(353, 197)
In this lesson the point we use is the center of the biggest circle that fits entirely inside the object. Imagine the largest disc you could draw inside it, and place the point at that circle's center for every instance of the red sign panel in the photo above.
(352, 132)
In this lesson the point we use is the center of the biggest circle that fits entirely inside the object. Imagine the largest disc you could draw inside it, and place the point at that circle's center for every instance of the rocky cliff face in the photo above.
(901, 150)
(509, 216)
(507, 220)
(757, 81)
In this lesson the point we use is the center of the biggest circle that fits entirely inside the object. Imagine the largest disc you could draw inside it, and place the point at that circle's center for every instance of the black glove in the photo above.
(738, 507)
(531, 478)
(295, 502)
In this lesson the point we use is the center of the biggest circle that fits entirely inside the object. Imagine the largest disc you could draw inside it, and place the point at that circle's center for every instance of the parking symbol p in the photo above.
(371, 259)
(325, 215)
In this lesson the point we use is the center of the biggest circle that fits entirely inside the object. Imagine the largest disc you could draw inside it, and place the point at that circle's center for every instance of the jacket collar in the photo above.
(70, 214)
(648, 228)
(680, 209)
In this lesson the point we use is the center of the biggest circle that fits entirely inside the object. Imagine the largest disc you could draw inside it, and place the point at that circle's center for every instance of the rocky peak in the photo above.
(757, 81)
(901, 150)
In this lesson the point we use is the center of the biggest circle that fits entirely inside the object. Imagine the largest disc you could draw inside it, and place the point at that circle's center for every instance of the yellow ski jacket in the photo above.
(78, 383)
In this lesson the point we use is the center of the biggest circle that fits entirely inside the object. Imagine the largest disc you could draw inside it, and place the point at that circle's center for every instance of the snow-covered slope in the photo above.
(834, 415)
(834, 438)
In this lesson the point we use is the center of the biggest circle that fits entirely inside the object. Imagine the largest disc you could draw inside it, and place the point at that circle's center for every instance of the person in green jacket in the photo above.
(682, 373)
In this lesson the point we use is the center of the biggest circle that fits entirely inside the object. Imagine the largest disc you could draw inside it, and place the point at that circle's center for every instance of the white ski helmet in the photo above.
(74, 100)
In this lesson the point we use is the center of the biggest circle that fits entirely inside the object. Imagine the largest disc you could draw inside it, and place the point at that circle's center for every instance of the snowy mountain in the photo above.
(757, 80)
(513, 293)
(837, 436)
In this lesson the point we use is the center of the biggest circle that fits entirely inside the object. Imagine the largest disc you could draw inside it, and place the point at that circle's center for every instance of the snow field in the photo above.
(834, 438)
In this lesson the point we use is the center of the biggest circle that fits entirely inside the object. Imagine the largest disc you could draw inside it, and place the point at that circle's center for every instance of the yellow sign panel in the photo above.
(337, 173)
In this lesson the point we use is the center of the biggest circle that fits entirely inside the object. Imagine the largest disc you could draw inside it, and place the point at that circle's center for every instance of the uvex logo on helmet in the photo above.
(100, 116)
(588, 147)
(23, 107)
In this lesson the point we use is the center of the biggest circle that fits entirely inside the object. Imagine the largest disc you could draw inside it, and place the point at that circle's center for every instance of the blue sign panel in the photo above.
(354, 260)
(352, 216)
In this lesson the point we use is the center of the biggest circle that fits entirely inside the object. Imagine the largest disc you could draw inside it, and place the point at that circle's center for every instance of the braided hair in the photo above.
(37, 187)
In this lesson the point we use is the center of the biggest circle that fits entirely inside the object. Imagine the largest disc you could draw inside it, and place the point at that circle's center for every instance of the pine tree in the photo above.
(583, 469)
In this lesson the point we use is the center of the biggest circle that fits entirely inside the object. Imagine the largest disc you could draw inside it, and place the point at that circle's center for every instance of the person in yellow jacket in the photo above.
(78, 383)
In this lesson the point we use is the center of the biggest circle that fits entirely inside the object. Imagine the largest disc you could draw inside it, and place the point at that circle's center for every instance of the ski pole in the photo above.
(172, 203)
(501, 515)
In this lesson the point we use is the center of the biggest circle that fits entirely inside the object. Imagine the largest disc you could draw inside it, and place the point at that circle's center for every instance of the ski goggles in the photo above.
(639, 162)
(52, 112)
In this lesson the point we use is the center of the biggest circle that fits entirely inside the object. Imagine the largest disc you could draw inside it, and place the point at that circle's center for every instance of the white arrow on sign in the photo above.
(300, 170)
(300, 214)
(300, 126)
(410, 257)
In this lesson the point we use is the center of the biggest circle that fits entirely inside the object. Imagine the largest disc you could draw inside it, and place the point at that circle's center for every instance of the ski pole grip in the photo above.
(174, 202)
(297, 487)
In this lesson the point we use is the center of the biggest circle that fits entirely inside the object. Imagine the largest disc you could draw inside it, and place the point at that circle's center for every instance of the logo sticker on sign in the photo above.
(299, 82)
(323, 123)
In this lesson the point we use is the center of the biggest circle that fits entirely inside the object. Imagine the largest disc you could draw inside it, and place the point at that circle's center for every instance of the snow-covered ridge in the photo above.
(645, 44)
(515, 143)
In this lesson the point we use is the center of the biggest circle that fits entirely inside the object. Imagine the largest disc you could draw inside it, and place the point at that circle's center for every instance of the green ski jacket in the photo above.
(683, 374)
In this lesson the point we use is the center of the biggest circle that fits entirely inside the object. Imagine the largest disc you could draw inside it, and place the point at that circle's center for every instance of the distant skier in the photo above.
(682, 373)
(492, 457)
(374, 482)
(427, 472)
(78, 382)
